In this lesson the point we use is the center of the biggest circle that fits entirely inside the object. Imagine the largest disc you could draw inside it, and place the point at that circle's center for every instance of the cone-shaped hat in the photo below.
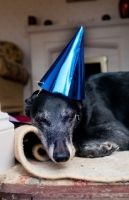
(66, 75)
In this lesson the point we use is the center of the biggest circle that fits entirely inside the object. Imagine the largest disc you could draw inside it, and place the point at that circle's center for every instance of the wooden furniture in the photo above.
(96, 192)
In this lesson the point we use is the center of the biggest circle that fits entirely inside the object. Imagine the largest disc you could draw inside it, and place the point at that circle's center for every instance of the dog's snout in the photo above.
(61, 157)
(61, 153)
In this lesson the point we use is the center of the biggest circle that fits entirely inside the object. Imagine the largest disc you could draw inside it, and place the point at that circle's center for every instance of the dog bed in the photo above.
(114, 168)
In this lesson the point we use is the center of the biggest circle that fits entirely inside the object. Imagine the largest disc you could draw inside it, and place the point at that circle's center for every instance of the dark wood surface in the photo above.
(97, 192)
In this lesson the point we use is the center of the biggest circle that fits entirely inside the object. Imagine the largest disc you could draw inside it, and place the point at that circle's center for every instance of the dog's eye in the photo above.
(69, 116)
(42, 119)
(46, 121)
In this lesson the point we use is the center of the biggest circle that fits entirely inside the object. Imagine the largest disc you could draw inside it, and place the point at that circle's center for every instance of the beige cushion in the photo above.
(13, 71)
(114, 168)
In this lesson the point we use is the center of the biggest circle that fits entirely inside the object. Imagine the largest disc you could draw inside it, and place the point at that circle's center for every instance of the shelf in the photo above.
(92, 24)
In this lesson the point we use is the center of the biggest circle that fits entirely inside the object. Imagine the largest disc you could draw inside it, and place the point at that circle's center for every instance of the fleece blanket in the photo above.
(114, 168)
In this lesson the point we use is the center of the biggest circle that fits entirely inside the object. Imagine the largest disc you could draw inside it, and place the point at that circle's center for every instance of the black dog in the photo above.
(97, 126)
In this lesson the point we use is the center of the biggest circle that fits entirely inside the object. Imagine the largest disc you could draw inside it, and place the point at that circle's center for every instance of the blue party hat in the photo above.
(66, 75)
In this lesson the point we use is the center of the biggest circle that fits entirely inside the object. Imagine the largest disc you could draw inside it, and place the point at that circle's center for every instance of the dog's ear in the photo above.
(29, 101)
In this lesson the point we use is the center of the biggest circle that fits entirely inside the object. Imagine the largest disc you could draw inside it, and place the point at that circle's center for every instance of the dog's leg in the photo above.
(102, 141)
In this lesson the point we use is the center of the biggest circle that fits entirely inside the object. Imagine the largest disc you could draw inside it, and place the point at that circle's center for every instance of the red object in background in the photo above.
(22, 118)
(124, 8)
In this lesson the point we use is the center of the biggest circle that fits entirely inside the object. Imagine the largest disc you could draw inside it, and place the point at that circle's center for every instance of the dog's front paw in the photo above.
(96, 149)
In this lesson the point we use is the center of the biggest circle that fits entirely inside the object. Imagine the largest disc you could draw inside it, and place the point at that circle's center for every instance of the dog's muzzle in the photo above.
(61, 152)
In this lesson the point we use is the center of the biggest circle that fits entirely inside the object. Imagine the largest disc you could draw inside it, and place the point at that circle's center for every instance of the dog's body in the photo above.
(97, 126)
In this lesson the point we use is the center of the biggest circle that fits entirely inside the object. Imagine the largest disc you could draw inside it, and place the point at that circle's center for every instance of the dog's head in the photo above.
(56, 118)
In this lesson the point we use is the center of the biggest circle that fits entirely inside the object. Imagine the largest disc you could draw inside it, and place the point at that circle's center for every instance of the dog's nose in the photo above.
(61, 152)
(61, 157)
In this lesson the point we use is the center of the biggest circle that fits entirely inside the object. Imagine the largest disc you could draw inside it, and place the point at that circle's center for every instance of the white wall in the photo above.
(13, 19)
